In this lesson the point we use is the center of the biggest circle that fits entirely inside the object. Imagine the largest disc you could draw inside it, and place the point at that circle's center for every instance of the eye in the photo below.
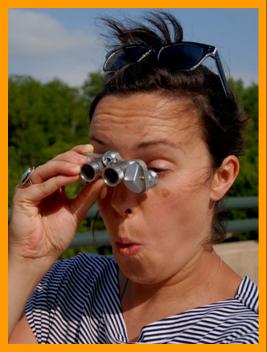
(161, 167)
(157, 170)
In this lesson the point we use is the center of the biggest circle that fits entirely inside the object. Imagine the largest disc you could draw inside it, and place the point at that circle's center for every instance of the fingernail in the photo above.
(77, 169)
(88, 148)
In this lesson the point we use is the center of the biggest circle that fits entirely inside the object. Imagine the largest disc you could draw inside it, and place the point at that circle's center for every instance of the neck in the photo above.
(193, 285)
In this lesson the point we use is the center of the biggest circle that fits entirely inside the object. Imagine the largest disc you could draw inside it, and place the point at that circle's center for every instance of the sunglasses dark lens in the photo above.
(123, 57)
(181, 57)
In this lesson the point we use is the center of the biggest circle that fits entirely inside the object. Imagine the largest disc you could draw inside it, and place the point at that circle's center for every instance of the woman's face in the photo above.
(155, 234)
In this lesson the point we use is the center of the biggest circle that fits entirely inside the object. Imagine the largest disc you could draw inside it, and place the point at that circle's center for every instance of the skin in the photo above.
(171, 222)
(181, 195)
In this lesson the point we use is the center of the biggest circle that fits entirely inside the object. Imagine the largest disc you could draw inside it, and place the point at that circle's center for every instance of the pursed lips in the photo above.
(127, 247)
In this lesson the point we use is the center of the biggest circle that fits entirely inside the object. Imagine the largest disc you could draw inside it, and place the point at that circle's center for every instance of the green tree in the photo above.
(44, 120)
(92, 85)
(247, 182)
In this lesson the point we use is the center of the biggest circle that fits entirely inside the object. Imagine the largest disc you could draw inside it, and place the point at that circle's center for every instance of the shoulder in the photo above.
(240, 323)
(248, 295)
(231, 321)
(64, 296)
(72, 278)
(247, 329)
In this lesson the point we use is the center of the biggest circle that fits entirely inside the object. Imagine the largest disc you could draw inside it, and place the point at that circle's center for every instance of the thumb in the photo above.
(85, 199)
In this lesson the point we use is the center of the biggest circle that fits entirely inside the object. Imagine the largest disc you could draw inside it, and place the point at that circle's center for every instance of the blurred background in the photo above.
(55, 68)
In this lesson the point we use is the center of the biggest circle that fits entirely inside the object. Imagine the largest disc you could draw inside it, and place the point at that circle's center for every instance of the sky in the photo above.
(68, 43)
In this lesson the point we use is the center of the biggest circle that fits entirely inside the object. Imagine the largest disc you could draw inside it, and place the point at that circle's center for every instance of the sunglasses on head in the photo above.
(184, 56)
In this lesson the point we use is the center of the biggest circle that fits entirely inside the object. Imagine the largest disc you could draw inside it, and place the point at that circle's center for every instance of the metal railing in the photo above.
(100, 237)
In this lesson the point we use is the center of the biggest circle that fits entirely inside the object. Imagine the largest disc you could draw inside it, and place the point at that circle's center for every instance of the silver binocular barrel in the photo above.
(113, 169)
(96, 164)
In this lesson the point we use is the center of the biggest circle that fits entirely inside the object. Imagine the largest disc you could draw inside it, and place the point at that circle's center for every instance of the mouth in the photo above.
(127, 248)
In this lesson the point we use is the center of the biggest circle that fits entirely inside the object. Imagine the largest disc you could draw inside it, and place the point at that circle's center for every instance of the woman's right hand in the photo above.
(44, 220)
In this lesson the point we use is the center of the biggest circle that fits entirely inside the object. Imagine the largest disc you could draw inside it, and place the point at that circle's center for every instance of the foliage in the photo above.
(247, 183)
(44, 120)
(92, 85)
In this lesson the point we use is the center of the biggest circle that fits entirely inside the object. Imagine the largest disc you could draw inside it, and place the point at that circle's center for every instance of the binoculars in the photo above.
(113, 169)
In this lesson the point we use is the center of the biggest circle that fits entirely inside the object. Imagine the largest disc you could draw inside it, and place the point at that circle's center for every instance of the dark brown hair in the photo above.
(220, 115)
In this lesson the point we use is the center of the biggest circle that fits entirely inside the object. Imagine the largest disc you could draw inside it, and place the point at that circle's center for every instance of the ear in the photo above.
(224, 177)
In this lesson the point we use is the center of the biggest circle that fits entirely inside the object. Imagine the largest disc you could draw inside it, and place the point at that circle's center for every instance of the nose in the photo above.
(123, 201)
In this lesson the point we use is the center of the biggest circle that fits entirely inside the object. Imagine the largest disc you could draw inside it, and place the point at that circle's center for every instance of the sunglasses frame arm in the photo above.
(222, 76)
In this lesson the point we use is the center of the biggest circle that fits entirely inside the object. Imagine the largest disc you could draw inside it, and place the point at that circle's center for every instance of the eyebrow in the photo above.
(163, 142)
(145, 144)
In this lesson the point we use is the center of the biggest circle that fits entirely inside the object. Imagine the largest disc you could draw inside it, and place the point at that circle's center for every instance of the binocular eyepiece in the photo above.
(113, 169)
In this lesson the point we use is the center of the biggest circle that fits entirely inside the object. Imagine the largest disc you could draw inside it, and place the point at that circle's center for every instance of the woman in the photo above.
(164, 282)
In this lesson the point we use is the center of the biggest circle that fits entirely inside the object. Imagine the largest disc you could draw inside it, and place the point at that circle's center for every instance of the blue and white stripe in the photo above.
(77, 302)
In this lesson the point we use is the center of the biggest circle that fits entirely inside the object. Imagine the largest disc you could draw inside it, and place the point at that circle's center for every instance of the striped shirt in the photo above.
(78, 302)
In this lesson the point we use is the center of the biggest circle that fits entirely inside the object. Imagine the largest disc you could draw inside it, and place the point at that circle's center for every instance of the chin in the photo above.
(136, 270)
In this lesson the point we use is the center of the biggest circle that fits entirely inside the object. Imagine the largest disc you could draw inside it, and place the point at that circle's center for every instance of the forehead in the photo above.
(144, 115)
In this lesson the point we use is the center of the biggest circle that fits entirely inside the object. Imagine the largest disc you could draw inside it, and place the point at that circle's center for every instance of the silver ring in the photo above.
(26, 177)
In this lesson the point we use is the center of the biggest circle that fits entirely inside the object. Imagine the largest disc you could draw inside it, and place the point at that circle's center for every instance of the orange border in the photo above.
(259, 4)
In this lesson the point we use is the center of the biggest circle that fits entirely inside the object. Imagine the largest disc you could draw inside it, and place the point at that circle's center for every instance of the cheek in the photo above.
(163, 200)
(181, 196)
(165, 193)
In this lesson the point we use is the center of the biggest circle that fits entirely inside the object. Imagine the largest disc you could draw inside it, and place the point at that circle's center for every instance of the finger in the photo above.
(54, 168)
(83, 148)
(37, 192)
(71, 156)
(77, 153)
(86, 198)
(76, 156)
